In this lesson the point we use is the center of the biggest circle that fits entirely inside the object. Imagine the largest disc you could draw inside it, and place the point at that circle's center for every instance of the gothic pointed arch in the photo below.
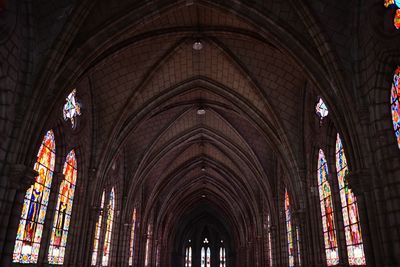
(30, 229)
(62, 216)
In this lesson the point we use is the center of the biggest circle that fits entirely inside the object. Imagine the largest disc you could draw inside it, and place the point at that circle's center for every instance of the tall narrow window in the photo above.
(97, 231)
(148, 240)
(328, 219)
(72, 108)
(298, 246)
(352, 227)
(203, 257)
(62, 216)
(132, 241)
(269, 241)
(395, 104)
(222, 257)
(395, 4)
(321, 109)
(289, 230)
(188, 256)
(208, 258)
(205, 254)
(30, 227)
(109, 227)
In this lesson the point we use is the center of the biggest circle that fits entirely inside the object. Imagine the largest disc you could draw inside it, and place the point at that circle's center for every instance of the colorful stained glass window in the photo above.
(222, 257)
(298, 245)
(208, 257)
(97, 231)
(352, 227)
(188, 256)
(328, 217)
(269, 241)
(109, 227)
(72, 108)
(289, 230)
(395, 104)
(321, 109)
(62, 216)
(132, 241)
(36, 199)
(396, 5)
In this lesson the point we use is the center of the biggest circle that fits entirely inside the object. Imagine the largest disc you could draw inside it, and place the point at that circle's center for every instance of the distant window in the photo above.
(396, 5)
(395, 104)
(222, 257)
(97, 232)
(109, 227)
(132, 243)
(72, 108)
(321, 109)
(289, 230)
(188, 256)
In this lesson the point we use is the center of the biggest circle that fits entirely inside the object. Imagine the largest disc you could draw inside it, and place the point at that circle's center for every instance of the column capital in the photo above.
(21, 177)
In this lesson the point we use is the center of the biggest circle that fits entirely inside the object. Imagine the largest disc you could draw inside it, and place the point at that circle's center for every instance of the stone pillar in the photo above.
(20, 178)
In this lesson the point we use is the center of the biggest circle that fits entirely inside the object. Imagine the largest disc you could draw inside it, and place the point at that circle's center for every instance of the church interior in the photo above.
(199, 133)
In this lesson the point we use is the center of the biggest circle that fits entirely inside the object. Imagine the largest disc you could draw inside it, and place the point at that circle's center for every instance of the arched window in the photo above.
(205, 254)
(269, 240)
(147, 252)
(72, 108)
(355, 249)
(97, 232)
(188, 256)
(298, 245)
(289, 230)
(109, 226)
(62, 216)
(395, 104)
(396, 5)
(30, 227)
(132, 241)
(321, 109)
(328, 217)
(222, 256)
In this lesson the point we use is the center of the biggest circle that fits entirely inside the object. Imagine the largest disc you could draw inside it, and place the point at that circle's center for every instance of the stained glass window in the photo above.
(396, 5)
(269, 241)
(147, 256)
(36, 199)
(72, 108)
(289, 230)
(395, 103)
(109, 226)
(132, 241)
(352, 227)
(97, 232)
(188, 256)
(62, 216)
(222, 257)
(208, 257)
(298, 246)
(328, 219)
(321, 109)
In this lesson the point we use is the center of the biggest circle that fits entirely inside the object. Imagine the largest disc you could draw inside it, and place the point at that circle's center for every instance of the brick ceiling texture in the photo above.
(147, 83)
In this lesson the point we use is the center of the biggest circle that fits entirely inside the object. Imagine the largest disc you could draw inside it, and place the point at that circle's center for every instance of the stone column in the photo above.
(20, 178)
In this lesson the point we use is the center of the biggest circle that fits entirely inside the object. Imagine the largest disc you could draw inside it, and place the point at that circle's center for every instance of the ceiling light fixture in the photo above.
(197, 45)
(201, 111)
